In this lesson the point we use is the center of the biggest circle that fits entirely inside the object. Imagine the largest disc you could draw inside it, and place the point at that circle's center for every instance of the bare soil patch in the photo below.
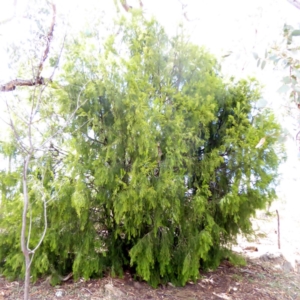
(257, 280)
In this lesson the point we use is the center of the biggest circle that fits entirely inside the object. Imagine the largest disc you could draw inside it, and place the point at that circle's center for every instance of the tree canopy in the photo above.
(157, 172)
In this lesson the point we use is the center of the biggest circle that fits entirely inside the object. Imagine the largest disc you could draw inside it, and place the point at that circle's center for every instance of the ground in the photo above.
(258, 280)
(270, 273)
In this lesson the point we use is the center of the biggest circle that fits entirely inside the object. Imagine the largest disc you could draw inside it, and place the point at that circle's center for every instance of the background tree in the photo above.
(284, 56)
(31, 151)
(160, 170)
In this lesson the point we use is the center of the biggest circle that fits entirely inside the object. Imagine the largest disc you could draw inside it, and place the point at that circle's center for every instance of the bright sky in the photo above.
(232, 25)
(235, 25)
(242, 27)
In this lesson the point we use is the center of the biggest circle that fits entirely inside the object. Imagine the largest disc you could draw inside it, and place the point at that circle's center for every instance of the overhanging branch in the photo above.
(48, 41)
(38, 80)
(10, 86)
(128, 7)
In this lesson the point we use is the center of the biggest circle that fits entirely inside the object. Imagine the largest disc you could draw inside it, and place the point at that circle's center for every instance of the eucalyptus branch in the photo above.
(13, 110)
(38, 103)
(125, 5)
(296, 3)
(94, 140)
(49, 39)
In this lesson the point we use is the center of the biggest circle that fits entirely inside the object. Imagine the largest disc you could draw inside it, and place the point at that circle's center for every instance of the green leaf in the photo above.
(258, 63)
(296, 32)
(297, 73)
(263, 64)
(286, 80)
(283, 89)
(276, 61)
(157, 169)
(296, 88)
(255, 55)
(261, 103)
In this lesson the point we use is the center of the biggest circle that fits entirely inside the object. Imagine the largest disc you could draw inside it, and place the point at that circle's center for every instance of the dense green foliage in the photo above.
(159, 171)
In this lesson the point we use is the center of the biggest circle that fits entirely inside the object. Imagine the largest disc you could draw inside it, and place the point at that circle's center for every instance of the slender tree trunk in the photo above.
(24, 246)
(27, 276)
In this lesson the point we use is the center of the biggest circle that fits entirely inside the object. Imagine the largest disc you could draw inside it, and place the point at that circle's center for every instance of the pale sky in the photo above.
(239, 26)
(233, 25)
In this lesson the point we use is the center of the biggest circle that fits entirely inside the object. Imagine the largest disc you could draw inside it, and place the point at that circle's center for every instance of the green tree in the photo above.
(160, 171)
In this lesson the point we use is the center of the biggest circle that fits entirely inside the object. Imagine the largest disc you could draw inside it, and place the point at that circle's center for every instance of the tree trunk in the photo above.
(27, 276)
(24, 245)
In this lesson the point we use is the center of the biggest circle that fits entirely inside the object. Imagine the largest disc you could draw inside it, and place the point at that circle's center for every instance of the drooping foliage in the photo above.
(159, 171)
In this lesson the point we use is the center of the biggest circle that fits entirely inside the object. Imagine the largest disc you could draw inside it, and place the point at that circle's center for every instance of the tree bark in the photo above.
(24, 247)
(10, 86)
(27, 276)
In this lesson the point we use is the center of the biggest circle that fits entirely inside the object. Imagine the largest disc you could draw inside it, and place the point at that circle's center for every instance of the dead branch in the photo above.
(10, 86)
(125, 5)
(38, 80)
(48, 41)
(296, 3)
(184, 8)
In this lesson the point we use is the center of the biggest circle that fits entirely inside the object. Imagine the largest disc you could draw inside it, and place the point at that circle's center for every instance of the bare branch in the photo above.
(48, 41)
(13, 110)
(296, 3)
(125, 5)
(59, 57)
(11, 86)
(38, 80)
